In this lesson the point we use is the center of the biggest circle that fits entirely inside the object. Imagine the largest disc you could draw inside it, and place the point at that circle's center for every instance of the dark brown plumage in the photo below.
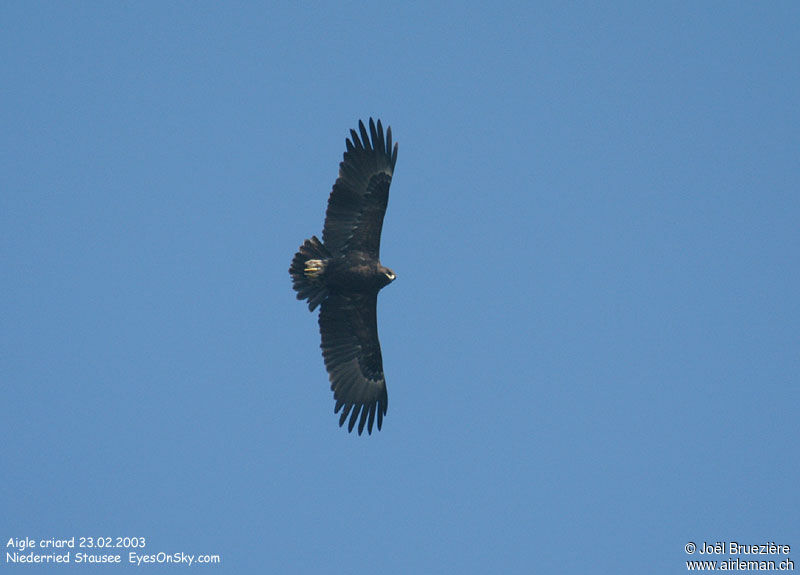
(343, 275)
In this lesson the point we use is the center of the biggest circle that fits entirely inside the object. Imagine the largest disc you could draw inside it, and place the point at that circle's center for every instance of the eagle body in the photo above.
(342, 274)
(356, 272)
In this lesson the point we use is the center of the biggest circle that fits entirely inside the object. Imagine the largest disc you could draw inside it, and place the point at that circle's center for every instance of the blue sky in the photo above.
(591, 348)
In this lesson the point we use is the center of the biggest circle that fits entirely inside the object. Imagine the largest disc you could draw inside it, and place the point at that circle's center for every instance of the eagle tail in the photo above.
(308, 271)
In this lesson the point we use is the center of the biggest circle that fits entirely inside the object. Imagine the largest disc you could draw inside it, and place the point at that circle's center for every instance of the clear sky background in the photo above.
(592, 348)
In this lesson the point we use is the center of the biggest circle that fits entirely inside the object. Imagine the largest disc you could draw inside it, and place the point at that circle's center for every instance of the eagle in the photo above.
(342, 274)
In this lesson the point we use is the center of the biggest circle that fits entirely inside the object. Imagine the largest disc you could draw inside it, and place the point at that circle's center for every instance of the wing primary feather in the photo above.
(371, 418)
(363, 420)
(373, 132)
(345, 413)
(364, 135)
(353, 417)
(356, 141)
(381, 141)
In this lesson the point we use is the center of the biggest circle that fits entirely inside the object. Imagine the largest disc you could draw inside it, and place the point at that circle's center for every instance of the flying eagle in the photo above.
(343, 275)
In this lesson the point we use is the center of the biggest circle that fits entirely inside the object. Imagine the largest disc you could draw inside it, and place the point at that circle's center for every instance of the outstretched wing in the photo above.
(358, 201)
(352, 352)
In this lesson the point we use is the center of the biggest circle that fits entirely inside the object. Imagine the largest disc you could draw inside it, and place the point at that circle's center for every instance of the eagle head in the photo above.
(388, 275)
